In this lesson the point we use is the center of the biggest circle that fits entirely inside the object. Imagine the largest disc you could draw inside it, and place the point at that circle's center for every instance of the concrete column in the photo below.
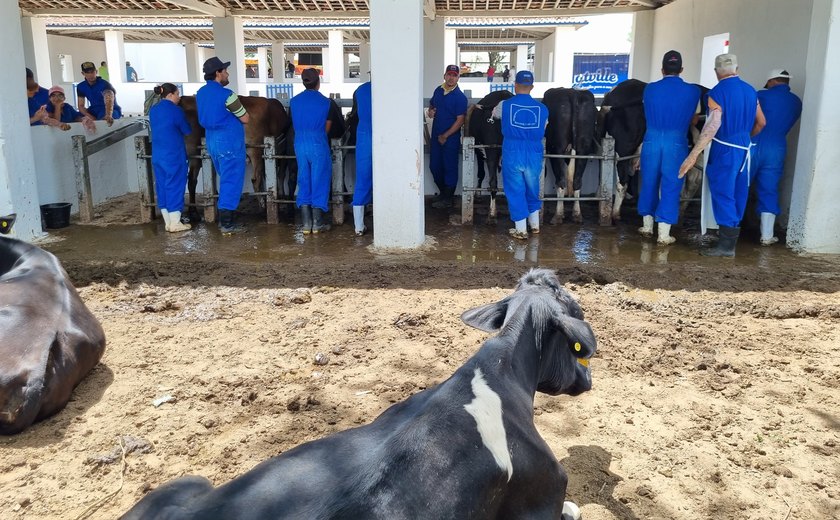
(36, 52)
(542, 52)
(18, 183)
(641, 51)
(115, 56)
(230, 46)
(563, 56)
(450, 46)
(194, 63)
(398, 162)
(521, 62)
(334, 70)
(364, 62)
(814, 222)
(436, 52)
(262, 64)
(278, 62)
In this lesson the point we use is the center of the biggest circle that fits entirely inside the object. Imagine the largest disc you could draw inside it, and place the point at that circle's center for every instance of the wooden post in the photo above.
(208, 176)
(468, 176)
(83, 189)
(272, 196)
(145, 178)
(542, 185)
(607, 186)
(337, 181)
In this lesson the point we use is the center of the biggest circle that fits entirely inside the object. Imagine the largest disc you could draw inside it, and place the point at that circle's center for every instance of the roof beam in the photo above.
(122, 13)
(539, 13)
(199, 6)
(646, 3)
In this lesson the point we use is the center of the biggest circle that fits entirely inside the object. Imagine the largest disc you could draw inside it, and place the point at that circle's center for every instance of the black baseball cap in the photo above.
(310, 77)
(672, 62)
(88, 66)
(214, 64)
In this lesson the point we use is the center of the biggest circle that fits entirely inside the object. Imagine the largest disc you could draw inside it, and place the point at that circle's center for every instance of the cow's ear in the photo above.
(488, 318)
(580, 336)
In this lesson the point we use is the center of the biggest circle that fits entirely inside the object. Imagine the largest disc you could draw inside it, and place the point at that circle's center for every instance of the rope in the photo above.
(96, 505)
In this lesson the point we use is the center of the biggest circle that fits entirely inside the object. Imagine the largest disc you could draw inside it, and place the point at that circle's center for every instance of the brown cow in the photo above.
(49, 340)
(267, 118)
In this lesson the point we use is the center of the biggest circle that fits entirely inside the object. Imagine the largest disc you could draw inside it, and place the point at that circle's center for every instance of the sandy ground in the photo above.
(716, 385)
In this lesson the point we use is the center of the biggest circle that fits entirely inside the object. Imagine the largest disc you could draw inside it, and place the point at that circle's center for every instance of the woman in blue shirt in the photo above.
(60, 114)
(169, 155)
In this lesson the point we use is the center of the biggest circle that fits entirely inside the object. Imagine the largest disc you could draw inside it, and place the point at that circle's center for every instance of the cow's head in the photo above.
(541, 311)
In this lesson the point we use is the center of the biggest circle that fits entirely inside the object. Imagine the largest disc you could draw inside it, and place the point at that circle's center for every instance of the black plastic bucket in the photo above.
(56, 215)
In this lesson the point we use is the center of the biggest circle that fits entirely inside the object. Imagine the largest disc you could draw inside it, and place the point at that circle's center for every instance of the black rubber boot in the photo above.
(727, 238)
(227, 222)
(306, 219)
(445, 200)
(320, 222)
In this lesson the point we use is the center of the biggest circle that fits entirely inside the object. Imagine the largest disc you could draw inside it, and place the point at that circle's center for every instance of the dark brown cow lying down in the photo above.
(49, 340)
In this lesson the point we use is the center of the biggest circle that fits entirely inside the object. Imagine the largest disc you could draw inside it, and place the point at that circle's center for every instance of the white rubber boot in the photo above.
(570, 511)
(647, 226)
(520, 231)
(359, 220)
(534, 222)
(768, 220)
(665, 237)
(165, 216)
(175, 224)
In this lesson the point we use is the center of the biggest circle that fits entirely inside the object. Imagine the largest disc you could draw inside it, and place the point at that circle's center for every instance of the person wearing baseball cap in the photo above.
(448, 107)
(523, 127)
(38, 98)
(782, 109)
(61, 114)
(310, 118)
(733, 116)
(100, 94)
(670, 106)
(223, 117)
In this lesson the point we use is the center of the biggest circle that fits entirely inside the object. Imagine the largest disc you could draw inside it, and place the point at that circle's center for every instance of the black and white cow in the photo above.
(49, 340)
(465, 449)
(487, 131)
(571, 130)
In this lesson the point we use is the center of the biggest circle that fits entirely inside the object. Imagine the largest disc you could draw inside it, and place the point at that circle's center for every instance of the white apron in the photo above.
(707, 215)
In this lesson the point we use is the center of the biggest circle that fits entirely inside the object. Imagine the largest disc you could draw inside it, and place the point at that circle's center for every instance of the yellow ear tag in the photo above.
(584, 362)
(577, 347)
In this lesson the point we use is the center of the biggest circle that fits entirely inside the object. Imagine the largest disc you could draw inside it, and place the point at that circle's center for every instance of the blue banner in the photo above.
(599, 73)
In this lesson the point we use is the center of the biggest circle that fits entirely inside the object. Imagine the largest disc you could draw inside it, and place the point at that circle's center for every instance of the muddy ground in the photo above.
(716, 383)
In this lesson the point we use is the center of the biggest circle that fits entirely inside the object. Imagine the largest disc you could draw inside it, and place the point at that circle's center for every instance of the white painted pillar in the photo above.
(451, 54)
(564, 56)
(278, 62)
(364, 62)
(398, 162)
(18, 183)
(230, 46)
(521, 58)
(641, 51)
(36, 52)
(194, 63)
(262, 64)
(334, 70)
(115, 56)
(436, 52)
(814, 222)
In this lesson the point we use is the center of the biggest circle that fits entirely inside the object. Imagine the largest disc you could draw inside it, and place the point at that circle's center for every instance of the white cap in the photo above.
(778, 73)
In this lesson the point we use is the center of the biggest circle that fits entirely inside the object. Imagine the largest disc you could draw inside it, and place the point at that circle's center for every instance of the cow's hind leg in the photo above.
(559, 167)
(171, 500)
(192, 216)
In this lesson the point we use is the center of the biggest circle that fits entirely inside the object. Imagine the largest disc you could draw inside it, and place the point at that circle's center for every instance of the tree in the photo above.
(495, 58)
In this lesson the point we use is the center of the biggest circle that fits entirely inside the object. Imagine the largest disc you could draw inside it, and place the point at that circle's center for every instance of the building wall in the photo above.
(80, 49)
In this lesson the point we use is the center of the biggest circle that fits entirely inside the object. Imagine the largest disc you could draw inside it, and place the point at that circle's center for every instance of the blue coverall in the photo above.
(523, 129)
(39, 99)
(169, 155)
(68, 113)
(96, 100)
(363, 192)
(310, 110)
(782, 109)
(728, 167)
(443, 159)
(225, 136)
(670, 104)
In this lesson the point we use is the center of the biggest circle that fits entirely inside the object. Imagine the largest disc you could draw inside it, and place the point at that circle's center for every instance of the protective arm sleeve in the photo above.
(497, 112)
(234, 105)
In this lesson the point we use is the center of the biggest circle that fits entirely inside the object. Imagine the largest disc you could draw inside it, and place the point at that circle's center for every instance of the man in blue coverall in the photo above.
(222, 115)
(448, 107)
(363, 191)
(100, 94)
(670, 107)
(733, 116)
(310, 112)
(38, 98)
(782, 109)
(523, 128)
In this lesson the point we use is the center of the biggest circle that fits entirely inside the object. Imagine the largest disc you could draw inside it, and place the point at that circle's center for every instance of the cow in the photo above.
(487, 131)
(622, 115)
(267, 118)
(49, 340)
(464, 449)
(571, 130)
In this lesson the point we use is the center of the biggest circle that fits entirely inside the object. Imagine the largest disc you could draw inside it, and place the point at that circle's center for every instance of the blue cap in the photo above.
(524, 77)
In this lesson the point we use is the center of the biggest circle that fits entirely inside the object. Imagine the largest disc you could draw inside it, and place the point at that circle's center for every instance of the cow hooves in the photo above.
(616, 218)
(578, 219)
(491, 221)
(556, 219)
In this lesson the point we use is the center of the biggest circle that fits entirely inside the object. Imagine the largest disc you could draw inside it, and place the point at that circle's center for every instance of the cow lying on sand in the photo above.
(465, 449)
(49, 340)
